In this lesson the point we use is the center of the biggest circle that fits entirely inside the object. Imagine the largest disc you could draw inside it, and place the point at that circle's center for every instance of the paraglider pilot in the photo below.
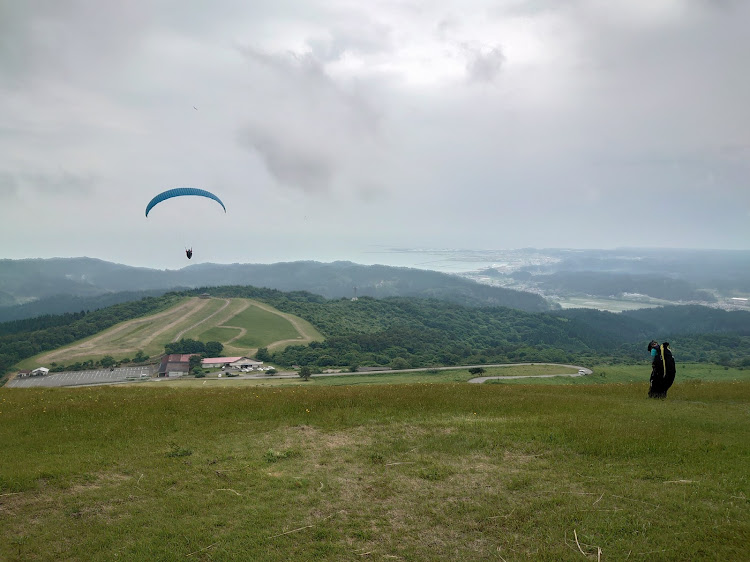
(662, 369)
(189, 253)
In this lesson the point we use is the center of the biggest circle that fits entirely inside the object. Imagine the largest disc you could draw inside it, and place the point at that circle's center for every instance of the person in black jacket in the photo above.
(662, 369)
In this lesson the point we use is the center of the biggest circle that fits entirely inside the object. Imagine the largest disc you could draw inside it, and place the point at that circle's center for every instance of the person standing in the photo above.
(656, 382)
(663, 369)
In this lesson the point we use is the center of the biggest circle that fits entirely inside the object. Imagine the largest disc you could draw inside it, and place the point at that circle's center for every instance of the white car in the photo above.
(581, 372)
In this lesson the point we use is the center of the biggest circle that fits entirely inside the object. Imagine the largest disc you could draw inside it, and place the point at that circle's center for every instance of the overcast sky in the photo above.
(334, 128)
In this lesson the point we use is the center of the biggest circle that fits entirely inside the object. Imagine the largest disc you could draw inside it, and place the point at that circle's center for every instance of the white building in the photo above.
(218, 362)
(40, 371)
(246, 363)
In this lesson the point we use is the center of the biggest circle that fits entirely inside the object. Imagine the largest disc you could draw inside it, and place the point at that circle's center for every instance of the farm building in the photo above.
(218, 362)
(245, 363)
(175, 365)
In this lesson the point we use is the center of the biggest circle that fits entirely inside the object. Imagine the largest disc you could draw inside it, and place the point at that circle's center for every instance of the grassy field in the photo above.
(607, 374)
(611, 305)
(443, 471)
(275, 327)
(242, 325)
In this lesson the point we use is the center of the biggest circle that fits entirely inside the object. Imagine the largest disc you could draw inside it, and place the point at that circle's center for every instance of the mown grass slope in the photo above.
(411, 471)
(242, 325)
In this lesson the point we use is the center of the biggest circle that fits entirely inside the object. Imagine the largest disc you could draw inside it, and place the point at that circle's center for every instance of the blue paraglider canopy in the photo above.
(179, 192)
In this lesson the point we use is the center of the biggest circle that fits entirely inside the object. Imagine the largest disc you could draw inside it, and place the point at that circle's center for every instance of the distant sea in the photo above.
(449, 260)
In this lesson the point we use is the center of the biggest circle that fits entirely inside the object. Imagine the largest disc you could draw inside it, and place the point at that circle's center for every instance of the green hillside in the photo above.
(242, 325)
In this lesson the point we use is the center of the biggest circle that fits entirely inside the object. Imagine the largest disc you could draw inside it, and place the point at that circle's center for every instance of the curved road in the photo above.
(586, 371)
(476, 380)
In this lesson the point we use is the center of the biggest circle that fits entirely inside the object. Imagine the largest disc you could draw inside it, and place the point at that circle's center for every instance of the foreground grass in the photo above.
(412, 471)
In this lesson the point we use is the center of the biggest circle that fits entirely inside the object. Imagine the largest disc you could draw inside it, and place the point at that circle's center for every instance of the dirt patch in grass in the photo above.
(97, 481)
(312, 440)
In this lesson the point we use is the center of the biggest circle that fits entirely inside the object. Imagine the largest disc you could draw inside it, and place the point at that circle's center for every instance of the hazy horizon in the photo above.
(448, 260)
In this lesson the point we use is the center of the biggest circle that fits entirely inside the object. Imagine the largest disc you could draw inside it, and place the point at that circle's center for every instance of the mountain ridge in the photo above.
(59, 285)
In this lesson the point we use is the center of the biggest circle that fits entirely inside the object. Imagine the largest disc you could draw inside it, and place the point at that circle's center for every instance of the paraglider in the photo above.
(179, 192)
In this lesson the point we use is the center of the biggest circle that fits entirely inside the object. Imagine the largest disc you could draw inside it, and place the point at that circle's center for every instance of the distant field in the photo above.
(242, 325)
(610, 305)
(447, 471)
(243, 330)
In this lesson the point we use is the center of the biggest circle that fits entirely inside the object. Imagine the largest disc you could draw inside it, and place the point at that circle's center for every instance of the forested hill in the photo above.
(420, 332)
(71, 285)
(411, 332)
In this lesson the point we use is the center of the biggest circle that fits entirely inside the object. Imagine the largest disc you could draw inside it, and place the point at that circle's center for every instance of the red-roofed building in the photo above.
(175, 365)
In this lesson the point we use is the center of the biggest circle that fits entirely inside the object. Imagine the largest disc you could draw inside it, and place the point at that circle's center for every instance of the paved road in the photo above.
(479, 380)
(476, 380)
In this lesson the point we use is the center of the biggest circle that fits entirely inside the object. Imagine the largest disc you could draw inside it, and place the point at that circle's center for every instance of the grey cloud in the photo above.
(8, 185)
(292, 166)
(526, 8)
(370, 191)
(60, 183)
(369, 38)
(57, 183)
(63, 37)
(484, 66)
(445, 27)
(305, 76)
(311, 129)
